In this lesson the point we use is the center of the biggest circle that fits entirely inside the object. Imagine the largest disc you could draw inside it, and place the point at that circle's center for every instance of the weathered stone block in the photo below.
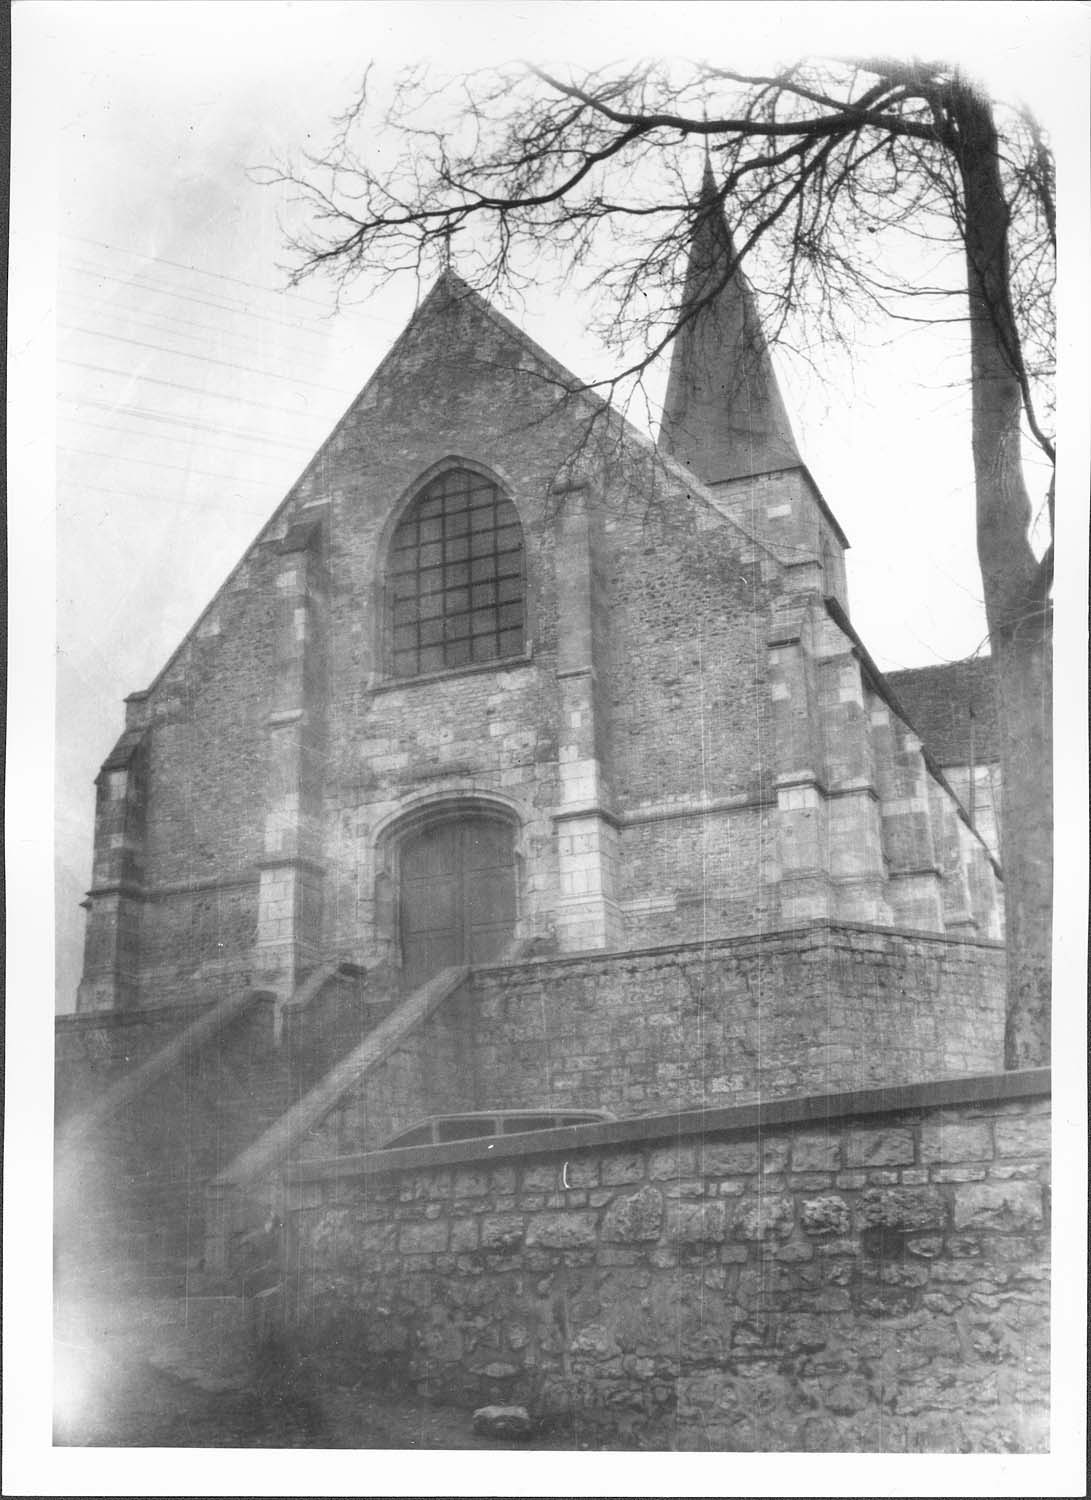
(463, 1235)
(1006, 1206)
(764, 1218)
(501, 1231)
(816, 1153)
(896, 1274)
(622, 1169)
(846, 1396)
(885, 1301)
(470, 1183)
(803, 1333)
(563, 1231)
(879, 1148)
(966, 1247)
(672, 1161)
(636, 1217)
(542, 1177)
(956, 1143)
(582, 1172)
(516, 1335)
(1022, 1136)
(374, 1239)
(595, 1338)
(694, 1223)
(903, 1210)
(831, 1248)
(424, 1238)
(684, 1187)
(794, 1252)
(827, 1215)
(502, 1421)
(927, 1246)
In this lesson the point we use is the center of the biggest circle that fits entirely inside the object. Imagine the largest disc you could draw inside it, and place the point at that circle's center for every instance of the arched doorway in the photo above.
(457, 902)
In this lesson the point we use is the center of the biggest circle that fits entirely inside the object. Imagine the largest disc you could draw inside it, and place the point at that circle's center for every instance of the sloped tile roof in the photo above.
(939, 701)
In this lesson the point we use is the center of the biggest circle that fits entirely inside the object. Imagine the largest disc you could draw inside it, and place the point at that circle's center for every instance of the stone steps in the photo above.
(132, 1197)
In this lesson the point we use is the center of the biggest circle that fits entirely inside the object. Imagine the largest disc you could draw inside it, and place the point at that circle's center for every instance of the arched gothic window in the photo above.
(455, 578)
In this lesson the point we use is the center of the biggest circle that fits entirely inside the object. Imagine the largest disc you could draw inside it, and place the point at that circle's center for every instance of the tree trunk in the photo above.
(1022, 662)
(1015, 587)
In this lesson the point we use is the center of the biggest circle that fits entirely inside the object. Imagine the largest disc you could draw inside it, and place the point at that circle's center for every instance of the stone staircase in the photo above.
(274, 1144)
(220, 1103)
(134, 1163)
(144, 1169)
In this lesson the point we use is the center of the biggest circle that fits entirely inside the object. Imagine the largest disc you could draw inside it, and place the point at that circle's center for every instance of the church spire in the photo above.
(724, 416)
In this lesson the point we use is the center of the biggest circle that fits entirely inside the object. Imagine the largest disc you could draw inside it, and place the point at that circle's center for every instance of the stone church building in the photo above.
(523, 895)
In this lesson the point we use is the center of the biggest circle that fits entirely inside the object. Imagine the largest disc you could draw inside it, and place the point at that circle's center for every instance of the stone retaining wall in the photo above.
(771, 1014)
(861, 1272)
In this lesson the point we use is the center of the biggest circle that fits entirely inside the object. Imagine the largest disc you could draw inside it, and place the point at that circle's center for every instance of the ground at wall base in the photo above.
(131, 1398)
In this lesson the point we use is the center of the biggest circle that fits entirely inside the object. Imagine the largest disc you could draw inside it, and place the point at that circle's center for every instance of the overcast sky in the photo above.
(166, 392)
(193, 388)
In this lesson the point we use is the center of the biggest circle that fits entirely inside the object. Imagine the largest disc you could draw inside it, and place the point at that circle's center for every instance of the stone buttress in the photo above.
(291, 864)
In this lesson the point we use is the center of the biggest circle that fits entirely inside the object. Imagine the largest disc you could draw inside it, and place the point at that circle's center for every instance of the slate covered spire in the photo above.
(724, 417)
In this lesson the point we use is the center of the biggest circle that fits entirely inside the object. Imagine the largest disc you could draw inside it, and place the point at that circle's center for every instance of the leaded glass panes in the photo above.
(455, 589)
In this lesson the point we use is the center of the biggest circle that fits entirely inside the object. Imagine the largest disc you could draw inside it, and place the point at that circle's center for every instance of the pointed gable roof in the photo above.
(724, 416)
(449, 295)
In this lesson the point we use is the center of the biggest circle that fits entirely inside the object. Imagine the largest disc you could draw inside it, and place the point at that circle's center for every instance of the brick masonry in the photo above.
(842, 1276)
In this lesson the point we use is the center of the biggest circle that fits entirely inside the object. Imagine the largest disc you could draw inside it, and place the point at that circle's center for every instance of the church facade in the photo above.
(522, 768)
(501, 676)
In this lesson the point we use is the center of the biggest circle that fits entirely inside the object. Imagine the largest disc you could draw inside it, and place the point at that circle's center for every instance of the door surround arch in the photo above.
(435, 820)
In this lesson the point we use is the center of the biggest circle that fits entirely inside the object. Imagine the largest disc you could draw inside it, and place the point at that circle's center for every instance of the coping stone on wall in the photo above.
(981, 1088)
(766, 940)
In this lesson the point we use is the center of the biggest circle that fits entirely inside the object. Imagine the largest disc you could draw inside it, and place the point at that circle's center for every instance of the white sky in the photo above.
(193, 389)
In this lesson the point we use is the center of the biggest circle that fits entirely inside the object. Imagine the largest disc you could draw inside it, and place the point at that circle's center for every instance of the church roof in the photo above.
(724, 416)
(939, 701)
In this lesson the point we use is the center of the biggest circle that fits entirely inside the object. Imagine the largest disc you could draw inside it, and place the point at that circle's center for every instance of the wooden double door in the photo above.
(457, 895)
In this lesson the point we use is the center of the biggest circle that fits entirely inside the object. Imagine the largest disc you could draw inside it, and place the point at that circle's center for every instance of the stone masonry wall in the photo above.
(845, 1273)
(688, 691)
(206, 760)
(675, 707)
(688, 874)
(787, 1012)
(700, 1024)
